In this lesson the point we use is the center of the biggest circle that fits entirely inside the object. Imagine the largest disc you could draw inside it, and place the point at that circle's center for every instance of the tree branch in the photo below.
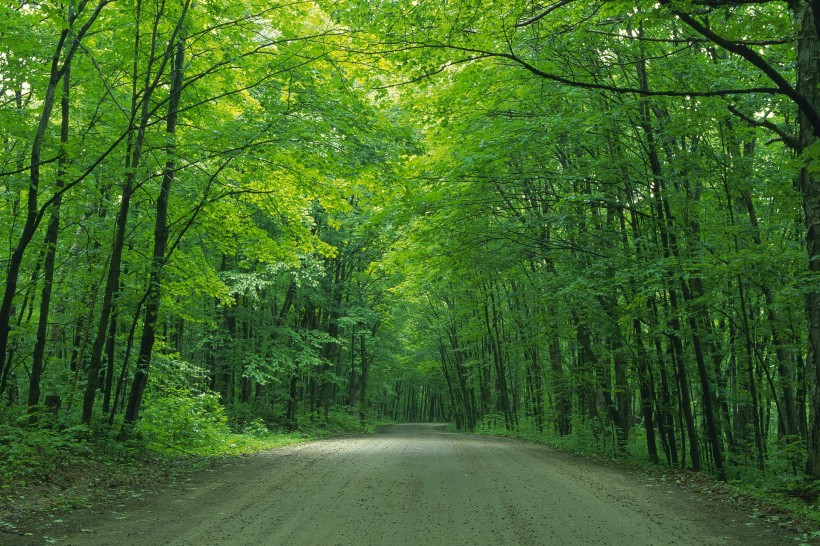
(788, 139)
(544, 13)
(483, 54)
(755, 60)
(691, 39)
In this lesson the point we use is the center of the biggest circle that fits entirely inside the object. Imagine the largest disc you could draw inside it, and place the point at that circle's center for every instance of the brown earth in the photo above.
(412, 484)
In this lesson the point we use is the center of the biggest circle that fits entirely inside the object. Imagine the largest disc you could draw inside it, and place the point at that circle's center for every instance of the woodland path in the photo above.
(418, 484)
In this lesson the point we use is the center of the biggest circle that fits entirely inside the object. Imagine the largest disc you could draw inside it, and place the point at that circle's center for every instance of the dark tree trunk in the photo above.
(34, 213)
(647, 395)
(132, 160)
(365, 367)
(50, 243)
(152, 302)
(808, 85)
(561, 389)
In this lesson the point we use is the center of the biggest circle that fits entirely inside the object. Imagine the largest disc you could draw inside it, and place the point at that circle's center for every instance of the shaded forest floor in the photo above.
(80, 482)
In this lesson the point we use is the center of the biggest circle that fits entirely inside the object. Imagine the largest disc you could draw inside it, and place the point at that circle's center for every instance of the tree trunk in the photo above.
(561, 389)
(50, 243)
(152, 303)
(33, 213)
(647, 396)
(133, 159)
(365, 367)
(808, 79)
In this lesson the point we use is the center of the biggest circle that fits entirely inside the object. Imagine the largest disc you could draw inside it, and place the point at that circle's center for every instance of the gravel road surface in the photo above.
(417, 484)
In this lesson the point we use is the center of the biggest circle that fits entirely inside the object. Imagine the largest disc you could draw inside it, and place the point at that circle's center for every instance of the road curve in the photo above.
(419, 484)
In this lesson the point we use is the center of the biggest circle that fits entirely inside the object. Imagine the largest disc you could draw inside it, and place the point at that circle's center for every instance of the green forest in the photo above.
(594, 223)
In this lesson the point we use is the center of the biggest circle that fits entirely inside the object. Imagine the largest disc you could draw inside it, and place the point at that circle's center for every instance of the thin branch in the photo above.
(544, 13)
(28, 167)
(483, 54)
(438, 70)
(728, 3)
(788, 139)
(692, 39)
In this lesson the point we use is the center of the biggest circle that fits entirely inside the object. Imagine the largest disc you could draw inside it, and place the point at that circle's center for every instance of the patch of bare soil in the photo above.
(413, 484)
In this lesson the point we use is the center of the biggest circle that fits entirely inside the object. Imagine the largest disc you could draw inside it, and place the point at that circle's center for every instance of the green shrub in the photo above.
(256, 428)
(338, 421)
(184, 420)
(31, 453)
(241, 414)
(178, 410)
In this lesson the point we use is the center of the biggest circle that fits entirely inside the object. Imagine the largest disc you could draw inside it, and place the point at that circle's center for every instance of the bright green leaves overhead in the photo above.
(588, 166)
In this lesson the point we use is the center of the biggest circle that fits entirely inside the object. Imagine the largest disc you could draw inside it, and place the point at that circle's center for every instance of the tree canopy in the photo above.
(591, 220)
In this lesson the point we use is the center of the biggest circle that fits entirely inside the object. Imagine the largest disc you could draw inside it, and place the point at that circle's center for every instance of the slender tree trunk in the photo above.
(133, 158)
(707, 397)
(561, 388)
(494, 331)
(647, 398)
(455, 399)
(109, 363)
(32, 206)
(461, 377)
(152, 303)
(587, 362)
(787, 420)
(34, 214)
(52, 234)
(664, 224)
(290, 411)
(665, 409)
(365, 367)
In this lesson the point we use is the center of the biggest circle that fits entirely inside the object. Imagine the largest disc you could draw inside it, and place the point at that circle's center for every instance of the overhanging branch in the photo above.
(747, 53)
(788, 139)
(477, 54)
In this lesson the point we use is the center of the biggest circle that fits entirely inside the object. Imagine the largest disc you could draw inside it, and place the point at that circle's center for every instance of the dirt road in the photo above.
(418, 484)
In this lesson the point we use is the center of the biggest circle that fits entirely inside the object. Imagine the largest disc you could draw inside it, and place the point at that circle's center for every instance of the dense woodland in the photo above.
(593, 220)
